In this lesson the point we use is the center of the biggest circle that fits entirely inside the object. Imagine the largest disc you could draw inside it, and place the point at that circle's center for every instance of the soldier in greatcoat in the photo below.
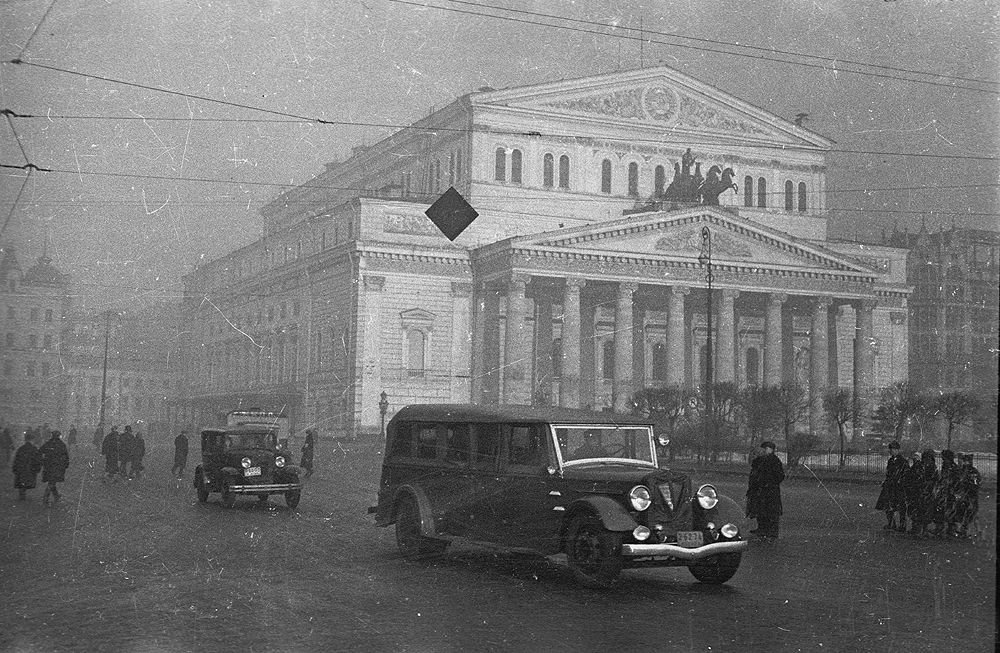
(55, 460)
(892, 497)
(27, 464)
(110, 451)
(764, 491)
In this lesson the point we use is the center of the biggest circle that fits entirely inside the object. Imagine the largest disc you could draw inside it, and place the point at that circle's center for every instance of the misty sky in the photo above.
(136, 199)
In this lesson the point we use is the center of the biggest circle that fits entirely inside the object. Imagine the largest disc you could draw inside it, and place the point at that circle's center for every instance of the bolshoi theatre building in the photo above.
(601, 205)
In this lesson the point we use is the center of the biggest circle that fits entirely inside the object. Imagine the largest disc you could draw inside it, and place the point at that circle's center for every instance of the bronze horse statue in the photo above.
(717, 182)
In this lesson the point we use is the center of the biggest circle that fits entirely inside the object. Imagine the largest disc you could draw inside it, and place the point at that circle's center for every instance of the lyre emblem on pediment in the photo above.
(722, 243)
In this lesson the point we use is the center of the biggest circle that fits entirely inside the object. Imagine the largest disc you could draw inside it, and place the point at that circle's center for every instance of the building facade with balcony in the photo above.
(578, 284)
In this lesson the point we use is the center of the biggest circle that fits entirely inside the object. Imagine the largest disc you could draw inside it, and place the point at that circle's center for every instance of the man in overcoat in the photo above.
(180, 454)
(55, 460)
(764, 491)
(892, 498)
(27, 464)
(109, 449)
(308, 448)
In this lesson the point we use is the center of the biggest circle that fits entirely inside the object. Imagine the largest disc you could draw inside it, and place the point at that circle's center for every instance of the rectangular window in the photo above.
(427, 441)
(48, 315)
(527, 446)
(487, 445)
(456, 443)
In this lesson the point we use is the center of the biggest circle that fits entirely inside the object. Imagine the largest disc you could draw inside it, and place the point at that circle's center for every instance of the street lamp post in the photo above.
(705, 258)
(383, 406)
(104, 374)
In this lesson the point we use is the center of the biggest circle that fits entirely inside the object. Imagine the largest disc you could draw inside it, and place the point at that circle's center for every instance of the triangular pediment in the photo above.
(660, 98)
(678, 236)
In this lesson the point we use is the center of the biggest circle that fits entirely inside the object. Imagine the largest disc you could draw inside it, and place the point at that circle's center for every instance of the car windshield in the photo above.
(262, 440)
(583, 442)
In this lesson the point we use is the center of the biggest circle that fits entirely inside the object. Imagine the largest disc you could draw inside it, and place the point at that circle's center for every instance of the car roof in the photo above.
(236, 430)
(509, 413)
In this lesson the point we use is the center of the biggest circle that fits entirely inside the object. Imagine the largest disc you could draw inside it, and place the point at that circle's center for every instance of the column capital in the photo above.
(575, 283)
(518, 279)
(627, 287)
(778, 298)
(374, 282)
(680, 290)
(867, 305)
(820, 302)
(730, 293)
(461, 288)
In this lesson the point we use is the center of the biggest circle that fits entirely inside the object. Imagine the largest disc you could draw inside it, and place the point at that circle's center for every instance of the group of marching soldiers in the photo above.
(918, 491)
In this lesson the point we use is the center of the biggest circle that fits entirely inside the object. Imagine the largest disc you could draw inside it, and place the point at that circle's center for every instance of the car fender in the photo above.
(229, 471)
(727, 510)
(612, 514)
(290, 469)
(423, 506)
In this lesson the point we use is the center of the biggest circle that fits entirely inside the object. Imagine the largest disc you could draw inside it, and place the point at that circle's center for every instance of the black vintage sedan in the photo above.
(245, 460)
(551, 481)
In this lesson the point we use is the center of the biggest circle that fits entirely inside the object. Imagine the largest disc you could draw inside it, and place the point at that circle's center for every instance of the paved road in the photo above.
(144, 567)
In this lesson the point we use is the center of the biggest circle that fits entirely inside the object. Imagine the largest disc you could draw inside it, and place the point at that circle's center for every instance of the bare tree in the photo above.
(956, 408)
(791, 404)
(838, 403)
(899, 403)
(665, 406)
(758, 406)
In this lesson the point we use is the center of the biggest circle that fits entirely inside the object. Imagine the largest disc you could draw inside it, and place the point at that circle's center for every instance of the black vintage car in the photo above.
(551, 481)
(245, 460)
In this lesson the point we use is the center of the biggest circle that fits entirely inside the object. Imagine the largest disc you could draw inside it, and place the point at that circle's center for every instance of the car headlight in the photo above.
(279, 461)
(640, 497)
(730, 530)
(245, 462)
(707, 497)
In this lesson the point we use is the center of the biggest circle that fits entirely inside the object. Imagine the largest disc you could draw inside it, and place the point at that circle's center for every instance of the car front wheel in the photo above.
(411, 542)
(716, 569)
(593, 552)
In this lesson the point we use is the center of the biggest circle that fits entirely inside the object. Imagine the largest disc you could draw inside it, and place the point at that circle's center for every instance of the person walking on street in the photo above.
(138, 453)
(764, 491)
(967, 495)
(945, 484)
(307, 452)
(55, 460)
(180, 455)
(6, 446)
(71, 436)
(27, 464)
(892, 498)
(926, 474)
(110, 451)
(125, 442)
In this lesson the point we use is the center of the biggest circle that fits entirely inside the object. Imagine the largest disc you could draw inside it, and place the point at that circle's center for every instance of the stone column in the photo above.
(864, 356)
(478, 361)
(725, 351)
(623, 346)
(818, 361)
(772, 339)
(676, 363)
(516, 344)
(542, 384)
(569, 384)
(461, 341)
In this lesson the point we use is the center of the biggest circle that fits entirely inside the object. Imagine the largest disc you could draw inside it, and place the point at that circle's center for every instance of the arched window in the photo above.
(564, 171)
(606, 176)
(415, 352)
(762, 192)
(789, 195)
(608, 359)
(659, 181)
(557, 357)
(501, 165)
(515, 166)
(753, 366)
(748, 191)
(659, 372)
(802, 197)
(633, 179)
(548, 171)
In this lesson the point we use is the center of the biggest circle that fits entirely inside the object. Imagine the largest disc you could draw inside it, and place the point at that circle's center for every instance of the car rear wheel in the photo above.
(228, 496)
(200, 487)
(593, 552)
(716, 569)
(411, 542)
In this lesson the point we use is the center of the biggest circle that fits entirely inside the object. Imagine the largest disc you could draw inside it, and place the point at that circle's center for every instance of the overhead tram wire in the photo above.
(832, 60)
(695, 47)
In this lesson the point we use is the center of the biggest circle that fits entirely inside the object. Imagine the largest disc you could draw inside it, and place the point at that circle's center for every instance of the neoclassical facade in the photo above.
(579, 282)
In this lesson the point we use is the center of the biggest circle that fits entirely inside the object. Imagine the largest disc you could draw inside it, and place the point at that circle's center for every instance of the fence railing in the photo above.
(855, 464)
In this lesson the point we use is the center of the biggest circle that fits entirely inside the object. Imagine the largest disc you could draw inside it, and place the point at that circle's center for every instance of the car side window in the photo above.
(427, 440)
(527, 446)
(402, 442)
(456, 443)
(487, 446)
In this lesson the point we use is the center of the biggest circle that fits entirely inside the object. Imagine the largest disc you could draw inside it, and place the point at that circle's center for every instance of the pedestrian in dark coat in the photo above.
(125, 443)
(945, 485)
(892, 497)
(55, 460)
(27, 464)
(138, 453)
(71, 436)
(110, 451)
(967, 495)
(6, 445)
(912, 484)
(764, 491)
(307, 452)
(925, 508)
(180, 454)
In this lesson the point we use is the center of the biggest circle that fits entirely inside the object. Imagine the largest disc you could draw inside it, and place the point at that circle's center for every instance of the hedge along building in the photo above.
(578, 284)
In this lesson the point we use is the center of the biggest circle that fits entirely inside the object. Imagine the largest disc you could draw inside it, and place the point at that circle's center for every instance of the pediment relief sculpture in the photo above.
(722, 244)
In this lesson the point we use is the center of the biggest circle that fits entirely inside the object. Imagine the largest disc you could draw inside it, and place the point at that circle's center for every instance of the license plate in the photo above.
(255, 471)
(689, 539)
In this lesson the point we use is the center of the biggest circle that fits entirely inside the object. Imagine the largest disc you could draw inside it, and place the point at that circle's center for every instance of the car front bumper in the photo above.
(683, 553)
(264, 487)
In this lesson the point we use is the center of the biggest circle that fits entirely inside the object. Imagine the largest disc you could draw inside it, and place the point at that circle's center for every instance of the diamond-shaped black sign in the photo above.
(451, 213)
